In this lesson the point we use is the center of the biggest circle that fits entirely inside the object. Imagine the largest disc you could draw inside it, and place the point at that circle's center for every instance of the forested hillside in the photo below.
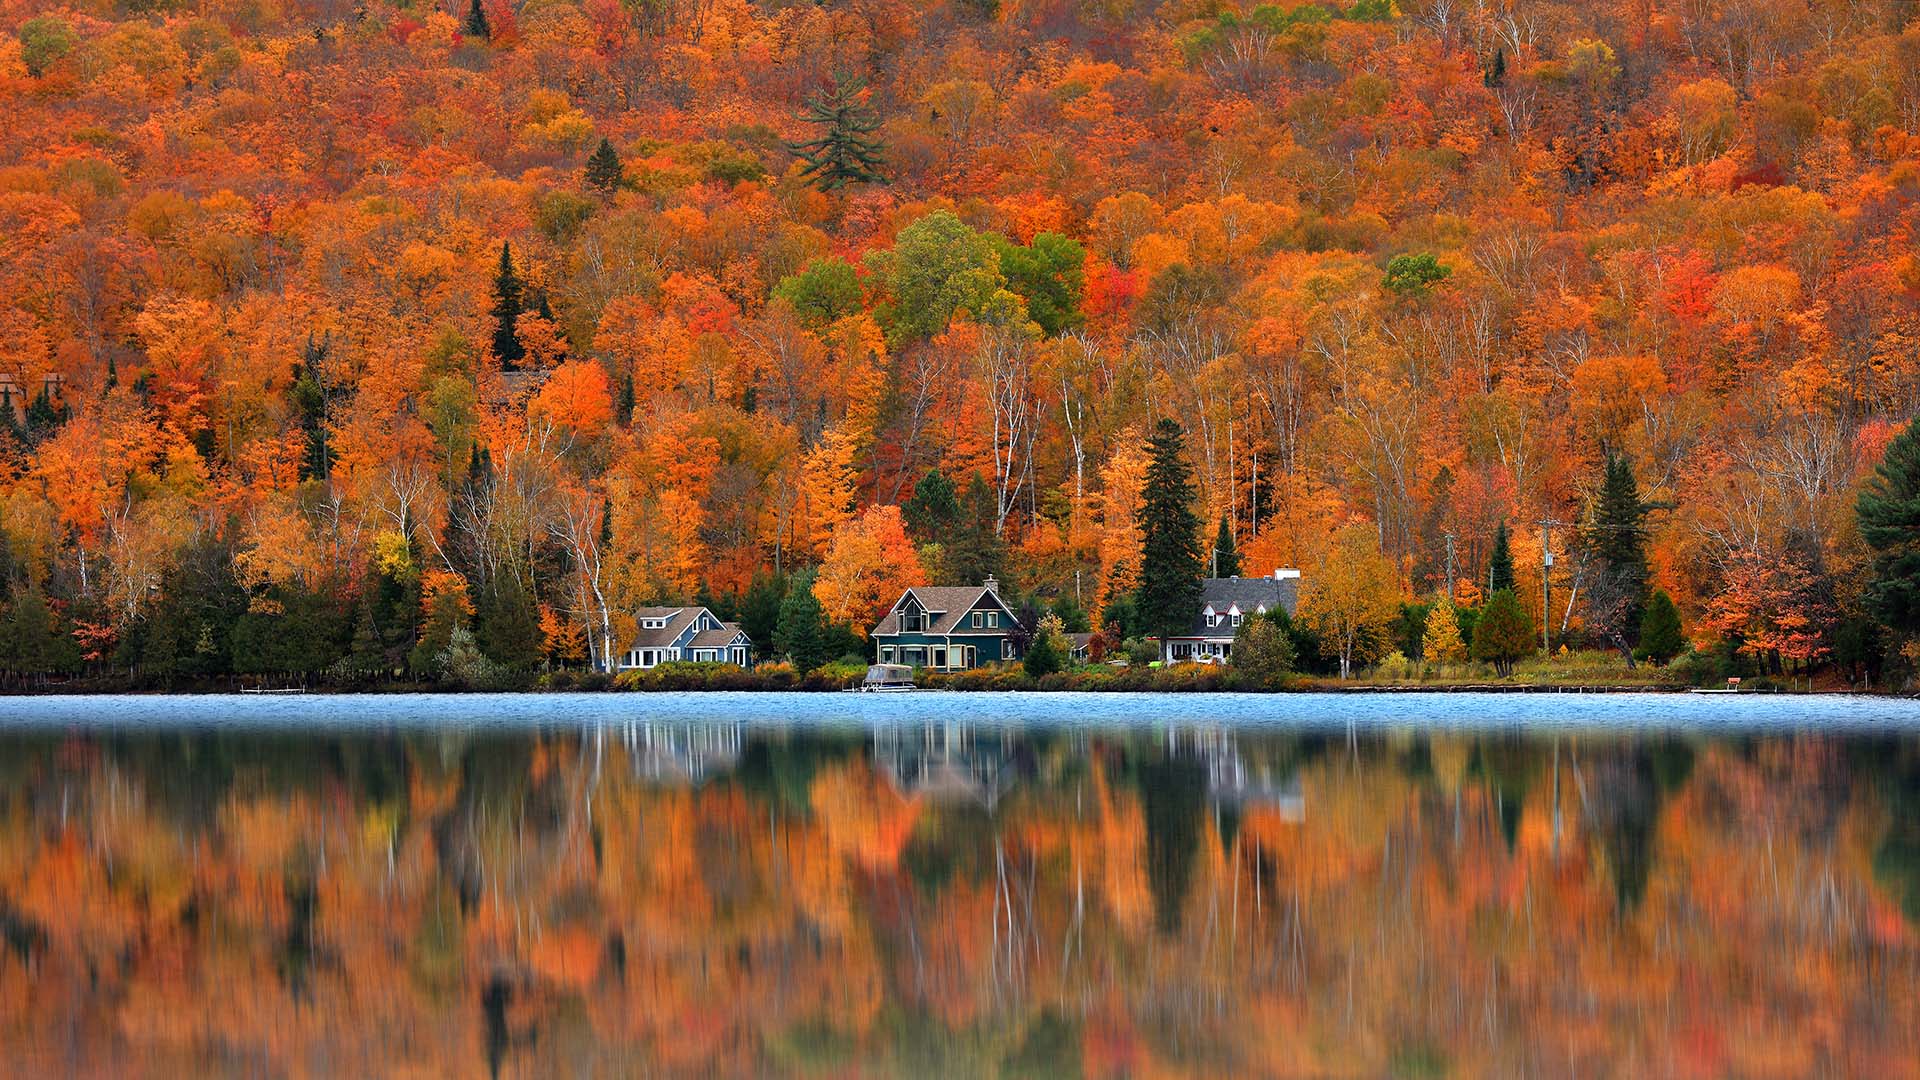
(343, 330)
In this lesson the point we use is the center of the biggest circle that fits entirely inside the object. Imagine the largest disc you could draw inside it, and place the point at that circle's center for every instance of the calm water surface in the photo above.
(960, 884)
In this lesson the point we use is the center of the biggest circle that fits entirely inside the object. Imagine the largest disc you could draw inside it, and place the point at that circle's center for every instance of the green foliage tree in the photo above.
(288, 630)
(1661, 635)
(760, 609)
(1616, 535)
(1225, 561)
(846, 151)
(1504, 632)
(1047, 652)
(1500, 564)
(1888, 514)
(1415, 275)
(1263, 651)
(974, 551)
(1170, 558)
(509, 624)
(45, 40)
(800, 635)
(34, 640)
(507, 307)
(823, 292)
(475, 24)
(1049, 275)
(605, 174)
(939, 265)
(446, 615)
(933, 510)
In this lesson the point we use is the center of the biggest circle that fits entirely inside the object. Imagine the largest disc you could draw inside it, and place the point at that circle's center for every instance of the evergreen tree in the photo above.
(1661, 635)
(475, 24)
(800, 635)
(366, 652)
(605, 174)
(1500, 565)
(1504, 633)
(974, 551)
(1226, 559)
(1616, 535)
(933, 510)
(506, 312)
(846, 152)
(1044, 655)
(1888, 513)
(1496, 75)
(760, 609)
(1170, 557)
(509, 630)
(33, 639)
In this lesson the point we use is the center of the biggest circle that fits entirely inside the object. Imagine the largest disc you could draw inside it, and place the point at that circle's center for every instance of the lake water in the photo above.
(960, 884)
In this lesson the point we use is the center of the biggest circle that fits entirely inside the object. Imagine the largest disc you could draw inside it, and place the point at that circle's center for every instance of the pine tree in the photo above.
(846, 151)
(605, 174)
(1616, 535)
(1226, 558)
(1496, 74)
(934, 508)
(1170, 557)
(1661, 635)
(800, 634)
(506, 312)
(974, 551)
(1500, 565)
(1440, 641)
(509, 631)
(1504, 633)
(1888, 512)
(475, 24)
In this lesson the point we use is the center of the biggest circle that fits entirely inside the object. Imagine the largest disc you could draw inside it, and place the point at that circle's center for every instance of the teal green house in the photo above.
(947, 628)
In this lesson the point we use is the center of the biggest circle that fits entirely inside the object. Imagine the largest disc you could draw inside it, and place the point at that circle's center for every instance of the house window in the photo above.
(1006, 648)
(886, 654)
(1236, 619)
(993, 619)
(633, 657)
(976, 620)
(653, 624)
(911, 621)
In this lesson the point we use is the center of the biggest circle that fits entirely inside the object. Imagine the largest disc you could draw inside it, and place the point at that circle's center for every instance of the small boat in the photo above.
(1733, 687)
(887, 679)
(265, 690)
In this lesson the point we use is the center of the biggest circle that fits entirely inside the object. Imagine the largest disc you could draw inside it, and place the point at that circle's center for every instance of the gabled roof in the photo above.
(728, 634)
(678, 619)
(1247, 594)
(952, 602)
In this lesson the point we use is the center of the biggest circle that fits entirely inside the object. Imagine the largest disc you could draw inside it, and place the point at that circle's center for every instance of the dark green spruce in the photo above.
(847, 150)
(1171, 561)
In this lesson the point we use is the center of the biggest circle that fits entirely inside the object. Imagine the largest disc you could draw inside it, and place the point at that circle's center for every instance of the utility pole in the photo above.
(1546, 584)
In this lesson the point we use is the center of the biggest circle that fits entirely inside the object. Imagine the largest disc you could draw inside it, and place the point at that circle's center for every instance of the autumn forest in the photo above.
(368, 336)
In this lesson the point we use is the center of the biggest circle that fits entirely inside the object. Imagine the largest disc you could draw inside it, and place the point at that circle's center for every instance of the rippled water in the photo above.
(960, 884)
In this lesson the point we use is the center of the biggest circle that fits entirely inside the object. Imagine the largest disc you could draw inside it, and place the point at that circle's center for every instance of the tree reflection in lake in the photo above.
(715, 897)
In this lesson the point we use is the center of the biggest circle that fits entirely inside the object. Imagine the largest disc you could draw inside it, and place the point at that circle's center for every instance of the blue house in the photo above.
(947, 628)
(666, 634)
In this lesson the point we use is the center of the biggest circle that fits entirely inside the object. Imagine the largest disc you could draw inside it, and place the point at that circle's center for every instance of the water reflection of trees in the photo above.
(960, 898)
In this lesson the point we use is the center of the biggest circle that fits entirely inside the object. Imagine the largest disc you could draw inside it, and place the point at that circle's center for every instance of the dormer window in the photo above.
(653, 624)
(1236, 618)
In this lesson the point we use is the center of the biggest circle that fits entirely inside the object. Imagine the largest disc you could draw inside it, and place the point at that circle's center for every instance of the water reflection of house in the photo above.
(1230, 779)
(682, 753)
(945, 763)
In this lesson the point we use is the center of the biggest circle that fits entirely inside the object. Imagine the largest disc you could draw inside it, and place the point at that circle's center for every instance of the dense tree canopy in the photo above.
(277, 279)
